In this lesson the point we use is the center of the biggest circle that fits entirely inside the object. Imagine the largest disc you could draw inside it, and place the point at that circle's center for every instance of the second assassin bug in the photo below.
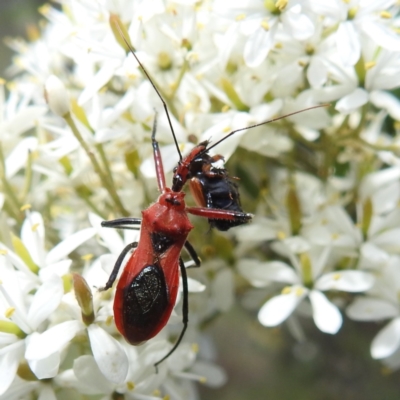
(148, 287)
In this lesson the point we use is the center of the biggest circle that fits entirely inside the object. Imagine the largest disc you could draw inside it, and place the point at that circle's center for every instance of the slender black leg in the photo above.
(117, 265)
(192, 252)
(185, 313)
(122, 223)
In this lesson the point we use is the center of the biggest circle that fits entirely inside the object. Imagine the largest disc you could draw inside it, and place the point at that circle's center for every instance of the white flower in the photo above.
(28, 315)
(371, 19)
(57, 96)
(381, 303)
(258, 23)
(307, 279)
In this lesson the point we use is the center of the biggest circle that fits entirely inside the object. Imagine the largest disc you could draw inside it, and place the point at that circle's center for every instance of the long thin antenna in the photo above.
(152, 84)
(263, 123)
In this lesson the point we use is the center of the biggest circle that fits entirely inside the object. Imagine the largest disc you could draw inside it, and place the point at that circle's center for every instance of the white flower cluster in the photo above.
(75, 126)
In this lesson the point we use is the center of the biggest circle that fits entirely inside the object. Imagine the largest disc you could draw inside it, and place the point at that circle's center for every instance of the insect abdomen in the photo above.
(221, 193)
(145, 302)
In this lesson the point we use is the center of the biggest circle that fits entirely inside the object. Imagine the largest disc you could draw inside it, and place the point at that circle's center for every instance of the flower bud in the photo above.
(84, 297)
(56, 96)
(294, 209)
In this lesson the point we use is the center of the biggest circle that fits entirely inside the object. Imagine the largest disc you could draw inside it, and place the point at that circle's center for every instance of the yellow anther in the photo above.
(370, 64)
(299, 292)
(87, 257)
(9, 312)
(386, 14)
(195, 347)
(26, 207)
(281, 4)
(281, 235)
(336, 277)
(225, 108)
(286, 290)
(265, 25)
(35, 227)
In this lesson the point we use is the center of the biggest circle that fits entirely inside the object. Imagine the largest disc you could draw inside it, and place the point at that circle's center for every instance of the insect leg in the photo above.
(185, 312)
(117, 265)
(216, 213)
(122, 223)
(157, 158)
(193, 254)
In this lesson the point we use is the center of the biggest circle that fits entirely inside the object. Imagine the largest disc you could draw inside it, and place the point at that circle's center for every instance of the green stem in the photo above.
(179, 80)
(104, 160)
(103, 177)
(28, 176)
(12, 199)
(93, 207)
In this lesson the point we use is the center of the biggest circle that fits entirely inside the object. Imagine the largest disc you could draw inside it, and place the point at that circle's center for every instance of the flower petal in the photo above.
(348, 43)
(90, 377)
(258, 46)
(371, 309)
(214, 375)
(387, 101)
(326, 315)
(46, 367)
(45, 301)
(68, 245)
(109, 354)
(352, 101)
(51, 341)
(348, 281)
(317, 73)
(261, 274)
(47, 393)
(105, 73)
(10, 357)
(277, 309)
(17, 159)
(195, 286)
(388, 240)
(32, 235)
(387, 341)
(300, 25)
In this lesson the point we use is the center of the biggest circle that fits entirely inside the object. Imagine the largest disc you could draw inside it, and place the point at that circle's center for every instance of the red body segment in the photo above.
(147, 290)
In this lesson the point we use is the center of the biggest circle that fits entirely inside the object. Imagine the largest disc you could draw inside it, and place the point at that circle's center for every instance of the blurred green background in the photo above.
(265, 363)
(15, 17)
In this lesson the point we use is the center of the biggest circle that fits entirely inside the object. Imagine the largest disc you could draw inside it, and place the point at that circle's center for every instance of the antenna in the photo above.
(264, 123)
(167, 112)
(152, 84)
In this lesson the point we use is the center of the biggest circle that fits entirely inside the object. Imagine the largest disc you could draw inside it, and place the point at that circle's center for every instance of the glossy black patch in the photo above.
(220, 192)
(161, 242)
(145, 301)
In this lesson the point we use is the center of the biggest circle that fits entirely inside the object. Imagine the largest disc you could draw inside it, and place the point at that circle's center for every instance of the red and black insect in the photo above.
(148, 287)
(147, 290)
